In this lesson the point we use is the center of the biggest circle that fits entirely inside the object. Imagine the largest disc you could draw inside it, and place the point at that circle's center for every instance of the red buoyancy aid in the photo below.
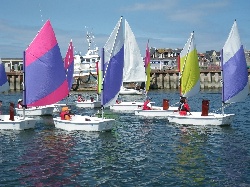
(62, 115)
(145, 107)
(183, 112)
(184, 109)
(80, 99)
(187, 107)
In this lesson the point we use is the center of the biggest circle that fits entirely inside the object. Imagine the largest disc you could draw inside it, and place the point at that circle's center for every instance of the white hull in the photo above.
(129, 106)
(156, 112)
(78, 122)
(58, 106)
(18, 124)
(88, 104)
(126, 91)
(197, 119)
(36, 111)
(84, 72)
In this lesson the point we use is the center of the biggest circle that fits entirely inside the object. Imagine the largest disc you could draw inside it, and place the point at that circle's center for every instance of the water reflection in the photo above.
(137, 152)
(191, 157)
(48, 159)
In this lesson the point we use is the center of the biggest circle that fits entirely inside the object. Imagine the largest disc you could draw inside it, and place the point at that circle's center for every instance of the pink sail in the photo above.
(69, 65)
(44, 73)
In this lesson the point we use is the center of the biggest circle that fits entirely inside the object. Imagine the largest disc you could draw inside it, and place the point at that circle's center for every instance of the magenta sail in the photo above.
(69, 65)
(45, 77)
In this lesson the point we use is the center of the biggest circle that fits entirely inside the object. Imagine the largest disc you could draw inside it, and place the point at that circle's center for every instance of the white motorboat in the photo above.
(86, 64)
(84, 123)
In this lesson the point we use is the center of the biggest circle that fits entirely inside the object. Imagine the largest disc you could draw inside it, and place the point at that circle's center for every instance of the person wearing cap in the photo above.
(183, 107)
(65, 114)
(80, 98)
(20, 103)
(147, 105)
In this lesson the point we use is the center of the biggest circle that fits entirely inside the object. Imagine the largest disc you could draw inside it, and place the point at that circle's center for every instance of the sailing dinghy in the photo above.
(11, 122)
(155, 111)
(69, 68)
(112, 66)
(133, 71)
(45, 80)
(235, 86)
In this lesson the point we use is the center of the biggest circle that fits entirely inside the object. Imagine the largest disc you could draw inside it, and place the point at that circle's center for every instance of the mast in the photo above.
(102, 68)
(24, 89)
(185, 60)
(179, 70)
(222, 82)
(89, 40)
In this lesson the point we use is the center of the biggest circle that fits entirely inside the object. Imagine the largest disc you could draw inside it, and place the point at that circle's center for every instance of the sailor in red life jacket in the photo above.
(79, 98)
(183, 107)
(65, 115)
(147, 105)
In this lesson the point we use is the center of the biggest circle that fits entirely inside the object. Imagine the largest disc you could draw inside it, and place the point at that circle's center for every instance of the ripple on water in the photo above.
(137, 152)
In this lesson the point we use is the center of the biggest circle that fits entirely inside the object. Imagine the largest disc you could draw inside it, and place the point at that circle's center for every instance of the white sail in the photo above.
(113, 65)
(134, 70)
(235, 74)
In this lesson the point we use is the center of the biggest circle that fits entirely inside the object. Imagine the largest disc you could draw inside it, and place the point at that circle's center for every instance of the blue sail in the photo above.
(45, 77)
(113, 62)
(234, 66)
(4, 84)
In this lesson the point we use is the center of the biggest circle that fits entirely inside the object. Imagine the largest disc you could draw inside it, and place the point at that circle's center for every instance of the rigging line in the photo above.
(111, 52)
(221, 108)
(191, 39)
(41, 12)
(175, 103)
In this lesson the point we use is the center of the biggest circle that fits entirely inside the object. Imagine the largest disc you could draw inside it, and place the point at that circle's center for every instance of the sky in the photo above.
(164, 23)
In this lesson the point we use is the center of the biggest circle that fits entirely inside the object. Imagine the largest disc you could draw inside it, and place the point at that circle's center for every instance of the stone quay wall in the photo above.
(169, 79)
(15, 80)
(160, 79)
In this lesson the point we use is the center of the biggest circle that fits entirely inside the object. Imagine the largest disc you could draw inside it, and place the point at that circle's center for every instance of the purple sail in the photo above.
(44, 73)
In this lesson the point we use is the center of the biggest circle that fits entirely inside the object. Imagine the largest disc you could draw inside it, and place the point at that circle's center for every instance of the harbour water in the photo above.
(137, 152)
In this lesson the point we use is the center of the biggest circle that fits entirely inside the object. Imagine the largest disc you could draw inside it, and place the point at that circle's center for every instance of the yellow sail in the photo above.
(189, 69)
(147, 68)
(99, 77)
